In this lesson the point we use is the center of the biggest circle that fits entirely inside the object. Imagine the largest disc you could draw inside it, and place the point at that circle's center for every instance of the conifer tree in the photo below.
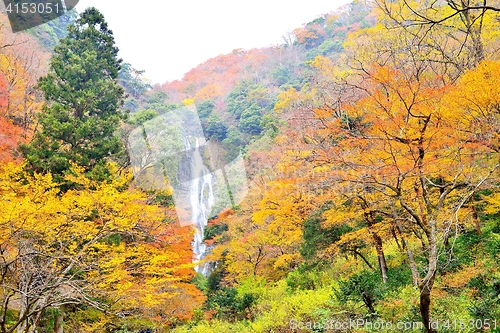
(83, 99)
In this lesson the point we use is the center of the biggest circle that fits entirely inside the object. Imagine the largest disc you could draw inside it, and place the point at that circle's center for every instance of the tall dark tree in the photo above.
(83, 99)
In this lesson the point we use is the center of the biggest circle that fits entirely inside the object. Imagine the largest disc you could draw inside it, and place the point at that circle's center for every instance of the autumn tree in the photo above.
(83, 98)
(98, 247)
(397, 144)
(22, 63)
(10, 136)
(460, 33)
(401, 140)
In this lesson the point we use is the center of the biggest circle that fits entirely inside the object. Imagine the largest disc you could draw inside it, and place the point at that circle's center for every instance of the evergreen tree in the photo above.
(83, 98)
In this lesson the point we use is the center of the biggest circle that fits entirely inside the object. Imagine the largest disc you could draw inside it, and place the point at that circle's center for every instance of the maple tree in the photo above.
(460, 33)
(399, 138)
(22, 62)
(373, 181)
(10, 136)
(405, 143)
(99, 246)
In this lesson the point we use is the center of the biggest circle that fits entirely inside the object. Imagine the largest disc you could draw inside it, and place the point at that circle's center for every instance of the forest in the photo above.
(358, 169)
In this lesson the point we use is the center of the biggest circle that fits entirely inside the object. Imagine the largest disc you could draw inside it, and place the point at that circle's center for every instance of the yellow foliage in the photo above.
(462, 277)
(22, 64)
(286, 100)
(116, 246)
(210, 91)
(188, 101)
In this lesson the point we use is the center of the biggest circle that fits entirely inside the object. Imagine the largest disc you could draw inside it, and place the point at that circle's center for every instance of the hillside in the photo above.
(344, 181)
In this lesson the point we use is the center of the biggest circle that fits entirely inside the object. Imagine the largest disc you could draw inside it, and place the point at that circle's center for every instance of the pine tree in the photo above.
(83, 99)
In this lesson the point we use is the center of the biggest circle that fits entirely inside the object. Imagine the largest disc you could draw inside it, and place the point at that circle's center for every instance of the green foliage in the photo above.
(245, 95)
(269, 123)
(49, 33)
(213, 230)
(158, 101)
(317, 238)
(142, 116)
(217, 326)
(131, 104)
(327, 48)
(278, 307)
(205, 108)
(132, 81)
(492, 243)
(365, 286)
(464, 252)
(250, 120)
(398, 277)
(201, 282)
(233, 143)
(162, 198)
(156, 97)
(216, 128)
(282, 75)
(83, 99)
(400, 305)
(304, 278)
(228, 303)
(487, 300)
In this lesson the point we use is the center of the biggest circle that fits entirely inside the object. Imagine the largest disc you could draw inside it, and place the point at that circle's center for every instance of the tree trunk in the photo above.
(370, 220)
(58, 323)
(368, 302)
(381, 257)
(475, 216)
(428, 281)
(425, 305)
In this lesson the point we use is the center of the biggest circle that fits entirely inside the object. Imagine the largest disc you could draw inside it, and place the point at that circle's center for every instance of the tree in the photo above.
(83, 98)
(244, 95)
(469, 26)
(406, 140)
(400, 124)
(10, 136)
(250, 120)
(99, 247)
(205, 108)
(216, 128)
(132, 81)
(22, 63)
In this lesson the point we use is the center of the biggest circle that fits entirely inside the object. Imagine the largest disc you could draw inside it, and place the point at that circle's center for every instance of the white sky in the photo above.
(168, 38)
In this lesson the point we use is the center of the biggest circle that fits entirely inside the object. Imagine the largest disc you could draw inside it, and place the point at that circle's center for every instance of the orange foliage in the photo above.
(221, 217)
(217, 76)
(10, 136)
(4, 93)
(210, 91)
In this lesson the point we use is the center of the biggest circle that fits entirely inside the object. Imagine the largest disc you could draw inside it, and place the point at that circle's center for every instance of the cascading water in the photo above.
(163, 158)
(201, 198)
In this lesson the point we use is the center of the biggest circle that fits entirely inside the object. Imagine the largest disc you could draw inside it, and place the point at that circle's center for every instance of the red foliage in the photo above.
(221, 217)
(4, 94)
(219, 75)
(10, 136)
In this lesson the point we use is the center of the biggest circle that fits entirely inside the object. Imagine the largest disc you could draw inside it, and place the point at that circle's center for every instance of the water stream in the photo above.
(201, 197)
(167, 153)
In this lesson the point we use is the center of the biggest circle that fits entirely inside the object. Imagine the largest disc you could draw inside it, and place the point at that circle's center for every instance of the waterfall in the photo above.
(201, 198)
(166, 154)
